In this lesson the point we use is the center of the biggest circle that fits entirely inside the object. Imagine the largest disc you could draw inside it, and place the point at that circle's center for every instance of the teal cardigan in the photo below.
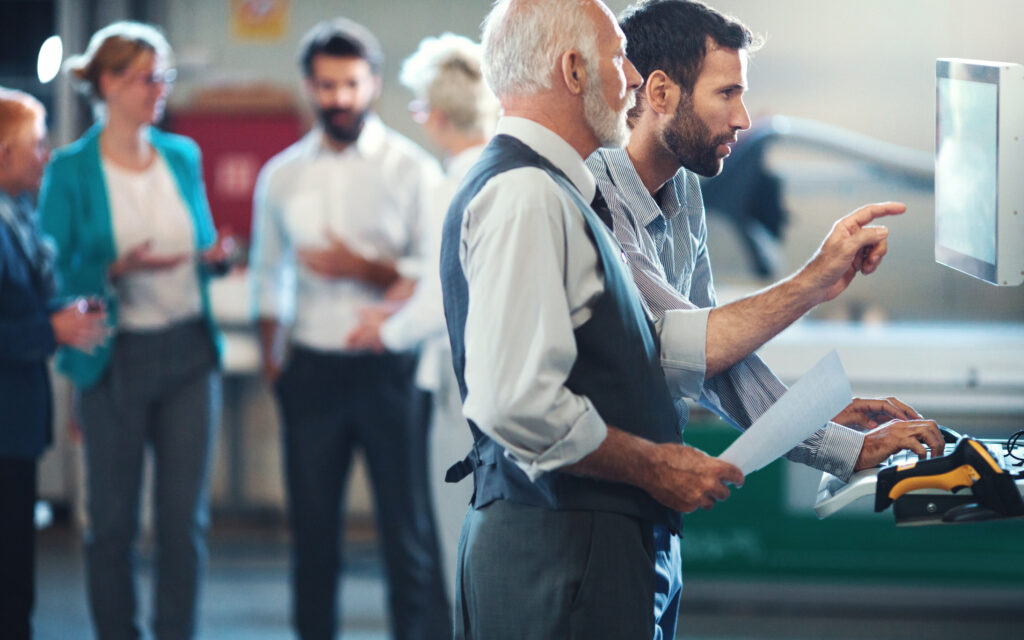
(74, 210)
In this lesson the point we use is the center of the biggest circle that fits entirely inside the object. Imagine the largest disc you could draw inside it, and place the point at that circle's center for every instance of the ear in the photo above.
(574, 71)
(106, 78)
(661, 92)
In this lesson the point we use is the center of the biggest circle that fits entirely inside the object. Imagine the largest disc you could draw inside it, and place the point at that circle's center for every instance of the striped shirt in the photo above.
(664, 238)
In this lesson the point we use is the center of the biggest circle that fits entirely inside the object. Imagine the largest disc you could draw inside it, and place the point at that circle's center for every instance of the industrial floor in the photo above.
(245, 597)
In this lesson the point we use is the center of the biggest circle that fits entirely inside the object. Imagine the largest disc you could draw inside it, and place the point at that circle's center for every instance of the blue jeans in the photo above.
(668, 582)
(161, 391)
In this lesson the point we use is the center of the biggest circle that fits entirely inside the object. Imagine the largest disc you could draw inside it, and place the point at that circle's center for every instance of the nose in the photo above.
(342, 97)
(741, 118)
(633, 77)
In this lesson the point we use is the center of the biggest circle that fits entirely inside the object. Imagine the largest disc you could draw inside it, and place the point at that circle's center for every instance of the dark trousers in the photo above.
(528, 573)
(17, 546)
(331, 404)
(161, 392)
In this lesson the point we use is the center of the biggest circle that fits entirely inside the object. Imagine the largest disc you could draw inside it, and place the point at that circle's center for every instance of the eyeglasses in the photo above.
(164, 77)
(419, 110)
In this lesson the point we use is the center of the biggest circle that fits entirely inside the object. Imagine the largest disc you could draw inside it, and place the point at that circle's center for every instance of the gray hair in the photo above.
(445, 73)
(522, 40)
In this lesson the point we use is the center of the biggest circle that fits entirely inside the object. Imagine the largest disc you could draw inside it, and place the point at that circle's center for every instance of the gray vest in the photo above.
(617, 367)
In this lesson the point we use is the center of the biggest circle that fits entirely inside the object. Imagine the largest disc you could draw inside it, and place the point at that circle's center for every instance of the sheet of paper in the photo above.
(816, 398)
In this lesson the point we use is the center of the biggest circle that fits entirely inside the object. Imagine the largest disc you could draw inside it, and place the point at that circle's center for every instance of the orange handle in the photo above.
(962, 476)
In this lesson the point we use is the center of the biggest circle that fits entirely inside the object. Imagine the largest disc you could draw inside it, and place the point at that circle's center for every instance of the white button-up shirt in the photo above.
(533, 277)
(372, 195)
(421, 320)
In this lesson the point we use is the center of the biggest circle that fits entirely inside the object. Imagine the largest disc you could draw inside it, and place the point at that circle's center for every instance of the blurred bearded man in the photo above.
(337, 224)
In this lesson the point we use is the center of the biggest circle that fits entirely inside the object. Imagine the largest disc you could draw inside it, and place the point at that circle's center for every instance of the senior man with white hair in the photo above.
(552, 347)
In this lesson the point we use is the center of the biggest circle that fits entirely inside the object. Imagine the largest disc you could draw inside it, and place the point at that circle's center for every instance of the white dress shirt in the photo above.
(372, 195)
(533, 277)
(147, 206)
(420, 321)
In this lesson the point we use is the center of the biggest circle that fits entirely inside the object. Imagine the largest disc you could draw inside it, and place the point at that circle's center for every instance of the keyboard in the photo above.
(920, 506)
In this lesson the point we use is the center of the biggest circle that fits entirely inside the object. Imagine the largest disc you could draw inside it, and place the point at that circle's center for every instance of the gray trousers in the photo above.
(162, 391)
(528, 573)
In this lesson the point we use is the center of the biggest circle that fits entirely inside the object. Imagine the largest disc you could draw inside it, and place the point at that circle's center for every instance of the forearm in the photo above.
(622, 457)
(271, 342)
(739, 328)
(380, 273)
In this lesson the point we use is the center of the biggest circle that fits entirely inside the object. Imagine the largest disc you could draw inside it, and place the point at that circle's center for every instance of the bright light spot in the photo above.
(50, 54)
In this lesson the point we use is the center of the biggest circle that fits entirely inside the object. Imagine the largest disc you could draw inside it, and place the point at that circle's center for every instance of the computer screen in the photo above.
(979, 169)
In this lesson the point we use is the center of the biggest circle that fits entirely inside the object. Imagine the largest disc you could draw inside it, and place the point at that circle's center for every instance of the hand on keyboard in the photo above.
(868, 413)
(897, 435)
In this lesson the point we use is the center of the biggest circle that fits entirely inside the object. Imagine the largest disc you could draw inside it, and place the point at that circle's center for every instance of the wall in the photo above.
(867, 66)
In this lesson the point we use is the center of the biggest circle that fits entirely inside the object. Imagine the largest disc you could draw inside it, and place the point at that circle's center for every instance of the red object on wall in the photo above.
(235, 147)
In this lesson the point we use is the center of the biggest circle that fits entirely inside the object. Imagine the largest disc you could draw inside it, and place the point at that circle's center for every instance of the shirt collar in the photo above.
(554, 148)
(13, 209)
(370, 141)
(628, 187)
(623, 179)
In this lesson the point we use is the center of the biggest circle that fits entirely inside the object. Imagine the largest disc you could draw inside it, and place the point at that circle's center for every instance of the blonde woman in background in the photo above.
(127, 208)
(457, 112)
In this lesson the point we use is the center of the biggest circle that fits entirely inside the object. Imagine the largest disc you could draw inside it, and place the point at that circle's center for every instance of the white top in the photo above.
(371, 195)
(533, 278)
(421, 321)
(147, 206)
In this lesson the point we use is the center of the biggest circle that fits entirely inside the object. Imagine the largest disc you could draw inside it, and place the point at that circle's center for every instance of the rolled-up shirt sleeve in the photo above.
(683, 334)
(271, 257)
(527, 293)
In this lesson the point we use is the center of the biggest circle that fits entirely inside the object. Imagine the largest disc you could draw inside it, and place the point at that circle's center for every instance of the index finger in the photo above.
(731, 474)
(870, 212)
(891, 407)
(933, 439)
(906, 408)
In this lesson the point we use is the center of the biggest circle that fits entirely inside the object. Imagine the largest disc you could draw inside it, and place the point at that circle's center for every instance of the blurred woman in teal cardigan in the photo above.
(127, 208)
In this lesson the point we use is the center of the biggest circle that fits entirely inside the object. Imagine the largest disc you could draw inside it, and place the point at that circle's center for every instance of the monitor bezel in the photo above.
(972, 71)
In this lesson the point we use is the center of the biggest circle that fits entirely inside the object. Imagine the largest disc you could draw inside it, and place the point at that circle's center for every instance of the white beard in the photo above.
(608, 125)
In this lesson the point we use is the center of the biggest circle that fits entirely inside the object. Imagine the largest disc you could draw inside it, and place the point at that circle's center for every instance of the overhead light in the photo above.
(50, 56)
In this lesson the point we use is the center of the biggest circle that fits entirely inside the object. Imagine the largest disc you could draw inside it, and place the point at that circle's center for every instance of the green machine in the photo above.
(768, 529)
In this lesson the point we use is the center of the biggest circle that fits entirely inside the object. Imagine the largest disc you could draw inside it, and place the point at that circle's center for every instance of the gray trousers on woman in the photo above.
(529, 573)
(162, 391)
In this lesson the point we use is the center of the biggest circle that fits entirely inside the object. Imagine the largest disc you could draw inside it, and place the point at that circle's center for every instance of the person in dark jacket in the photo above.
(32, 324)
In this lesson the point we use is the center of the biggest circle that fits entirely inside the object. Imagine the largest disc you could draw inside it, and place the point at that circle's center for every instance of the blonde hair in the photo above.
(16, 108)
(445, 72)
(113, 48)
